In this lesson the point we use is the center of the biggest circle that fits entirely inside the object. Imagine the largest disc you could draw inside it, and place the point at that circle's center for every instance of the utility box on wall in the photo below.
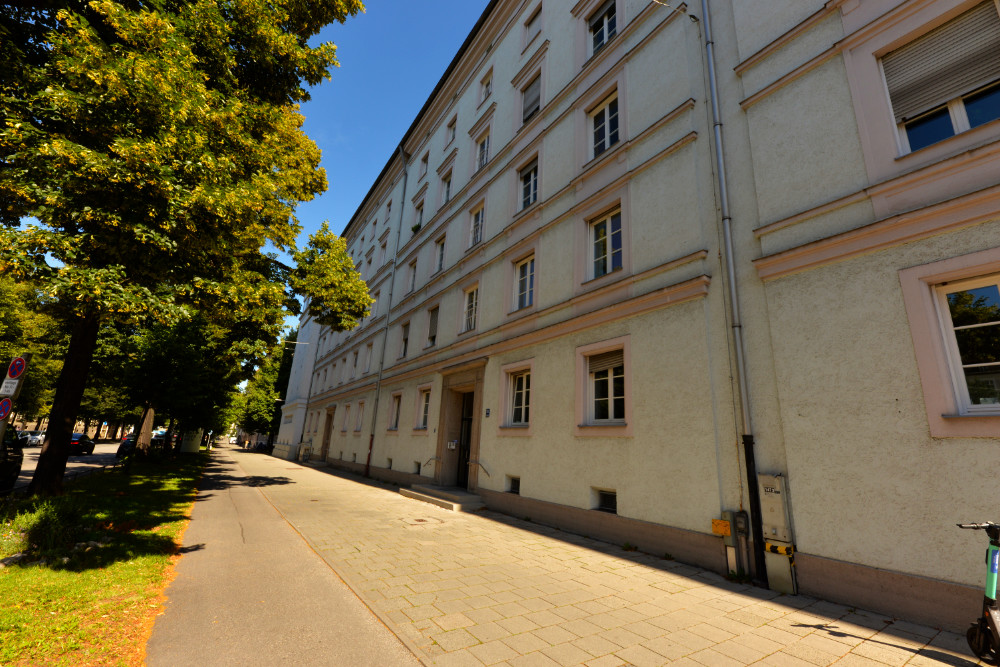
(774, 508)
(779, 556)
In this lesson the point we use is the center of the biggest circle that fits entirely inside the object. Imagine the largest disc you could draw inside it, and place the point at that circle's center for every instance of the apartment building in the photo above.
(660, 273)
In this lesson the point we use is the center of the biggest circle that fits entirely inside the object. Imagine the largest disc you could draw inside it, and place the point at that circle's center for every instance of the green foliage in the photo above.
(325, 273)
(264, 394)
(157, 148)
(25, 326)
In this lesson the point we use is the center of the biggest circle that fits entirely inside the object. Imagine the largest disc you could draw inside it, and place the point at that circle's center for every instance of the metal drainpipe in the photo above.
(388, 312)
(760, 566)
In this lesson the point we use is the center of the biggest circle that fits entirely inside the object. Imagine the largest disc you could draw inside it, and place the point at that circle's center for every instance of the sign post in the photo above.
(10, 388)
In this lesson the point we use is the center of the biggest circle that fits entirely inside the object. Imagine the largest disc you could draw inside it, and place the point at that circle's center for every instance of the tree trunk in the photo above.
(38, 424)
(144, 431)
(48, 478)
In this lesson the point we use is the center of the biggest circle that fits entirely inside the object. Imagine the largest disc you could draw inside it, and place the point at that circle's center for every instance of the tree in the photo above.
(264, 394)
(159, 148)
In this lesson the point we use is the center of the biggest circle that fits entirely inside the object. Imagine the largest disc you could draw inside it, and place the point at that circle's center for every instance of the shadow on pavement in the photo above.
(929, 653)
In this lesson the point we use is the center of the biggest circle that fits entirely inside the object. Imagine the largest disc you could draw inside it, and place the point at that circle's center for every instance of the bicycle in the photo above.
(983, 635)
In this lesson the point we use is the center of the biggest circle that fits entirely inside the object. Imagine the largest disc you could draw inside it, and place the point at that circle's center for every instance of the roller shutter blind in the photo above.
(949, 61)
(605, 360)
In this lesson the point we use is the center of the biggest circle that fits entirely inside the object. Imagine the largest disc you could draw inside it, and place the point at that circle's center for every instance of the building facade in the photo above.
(641, 268)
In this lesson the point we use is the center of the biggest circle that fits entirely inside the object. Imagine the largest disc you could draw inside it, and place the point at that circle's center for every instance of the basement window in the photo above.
(607, 501)
(514, 485)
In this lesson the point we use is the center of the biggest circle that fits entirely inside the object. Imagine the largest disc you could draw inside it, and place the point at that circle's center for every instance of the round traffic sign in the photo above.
(4, 408)
(16, 368)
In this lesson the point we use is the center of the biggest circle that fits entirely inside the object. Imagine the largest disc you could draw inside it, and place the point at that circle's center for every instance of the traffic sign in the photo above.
(5, 406)
(16, 367)
(9, 387)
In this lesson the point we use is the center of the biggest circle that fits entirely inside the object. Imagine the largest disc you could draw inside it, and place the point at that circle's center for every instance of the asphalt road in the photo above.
(104, 455)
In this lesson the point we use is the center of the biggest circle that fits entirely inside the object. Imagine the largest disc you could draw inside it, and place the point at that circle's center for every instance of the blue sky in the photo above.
(391, 57)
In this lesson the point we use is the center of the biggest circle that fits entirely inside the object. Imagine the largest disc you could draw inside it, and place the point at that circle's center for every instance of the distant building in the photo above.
(559, 269)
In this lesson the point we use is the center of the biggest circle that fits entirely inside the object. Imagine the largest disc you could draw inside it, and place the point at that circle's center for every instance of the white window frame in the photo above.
(936, 355)
(532, 25)
(451, 131)
(412, 282)
(354, 367)
(602, 115)
(395, 405)
(359, 418)
(433, 324)
(423, 165)
(528, 181)
(955, 362)
(486, 86)
(423, 408)
(524, 285)
(483, 151)
(609, 220)
(347, 418)
(418, 214)
(519, 385)
(604, 21)
(587, 423)
(470, 308)
(527, 113)
(477, 221)
(404, 339)
(368, 357)
(508, 374)
(446, 188)
(439, 255)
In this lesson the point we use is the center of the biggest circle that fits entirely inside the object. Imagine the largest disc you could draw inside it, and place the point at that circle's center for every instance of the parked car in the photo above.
(31, 438)
(80, 444)
(11, 457)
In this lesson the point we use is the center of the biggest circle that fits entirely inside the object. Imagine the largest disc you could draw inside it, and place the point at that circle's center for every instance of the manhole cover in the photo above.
(421, 521)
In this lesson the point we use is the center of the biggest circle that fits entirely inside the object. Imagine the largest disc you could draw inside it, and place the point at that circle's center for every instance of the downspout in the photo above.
(385, 331)
(760, 567)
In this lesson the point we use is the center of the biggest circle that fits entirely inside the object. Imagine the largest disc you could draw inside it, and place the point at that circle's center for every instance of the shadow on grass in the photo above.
(108, 517)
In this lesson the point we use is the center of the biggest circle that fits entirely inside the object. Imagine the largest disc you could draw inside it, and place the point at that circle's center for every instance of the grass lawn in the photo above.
(98, 559)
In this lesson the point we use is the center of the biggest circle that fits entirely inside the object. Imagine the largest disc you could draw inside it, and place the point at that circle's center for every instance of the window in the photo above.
(432, 326)
(604, 120)
(970, 316)
(418, 219)
(606, 242)
(529, 185)
(397, 400)
(424, 408)
(605, 501)
(482, 151)
(952, 308)
(531, 98)
(347, 418)
(360, 417)
(470, 310)
(603, 25)
(486, 87)
(374, 306)
(533, 26)
(524, 283)
(381, 253)
(439, 254)
(412, 280)
(947, 81)
(446, 188)
(606, 373)
(451, 131)
(405, 343)
(368, 358)
(514, 485)
(520, 398)
(388, 211)
(354, 366)
(476, 226)
(423, 165)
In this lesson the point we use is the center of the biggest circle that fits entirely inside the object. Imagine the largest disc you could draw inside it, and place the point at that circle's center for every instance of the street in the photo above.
(104, 455)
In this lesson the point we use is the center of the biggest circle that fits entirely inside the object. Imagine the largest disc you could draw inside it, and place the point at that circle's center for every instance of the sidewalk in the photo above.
(485, 588)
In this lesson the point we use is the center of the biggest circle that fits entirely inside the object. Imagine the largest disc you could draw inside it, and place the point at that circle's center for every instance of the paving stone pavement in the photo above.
(489, 589)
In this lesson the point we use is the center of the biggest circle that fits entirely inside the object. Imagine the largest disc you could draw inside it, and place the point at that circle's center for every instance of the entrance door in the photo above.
(465, 438)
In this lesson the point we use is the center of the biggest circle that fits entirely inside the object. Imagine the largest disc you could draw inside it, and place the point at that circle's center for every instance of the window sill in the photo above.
(982, 415)
(516, 426)
(589, 281)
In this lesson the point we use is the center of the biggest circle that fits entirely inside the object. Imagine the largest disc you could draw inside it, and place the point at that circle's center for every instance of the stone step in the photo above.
(454, 499)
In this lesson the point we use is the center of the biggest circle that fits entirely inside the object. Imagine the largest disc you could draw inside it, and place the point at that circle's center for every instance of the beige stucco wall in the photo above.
(869, 485)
